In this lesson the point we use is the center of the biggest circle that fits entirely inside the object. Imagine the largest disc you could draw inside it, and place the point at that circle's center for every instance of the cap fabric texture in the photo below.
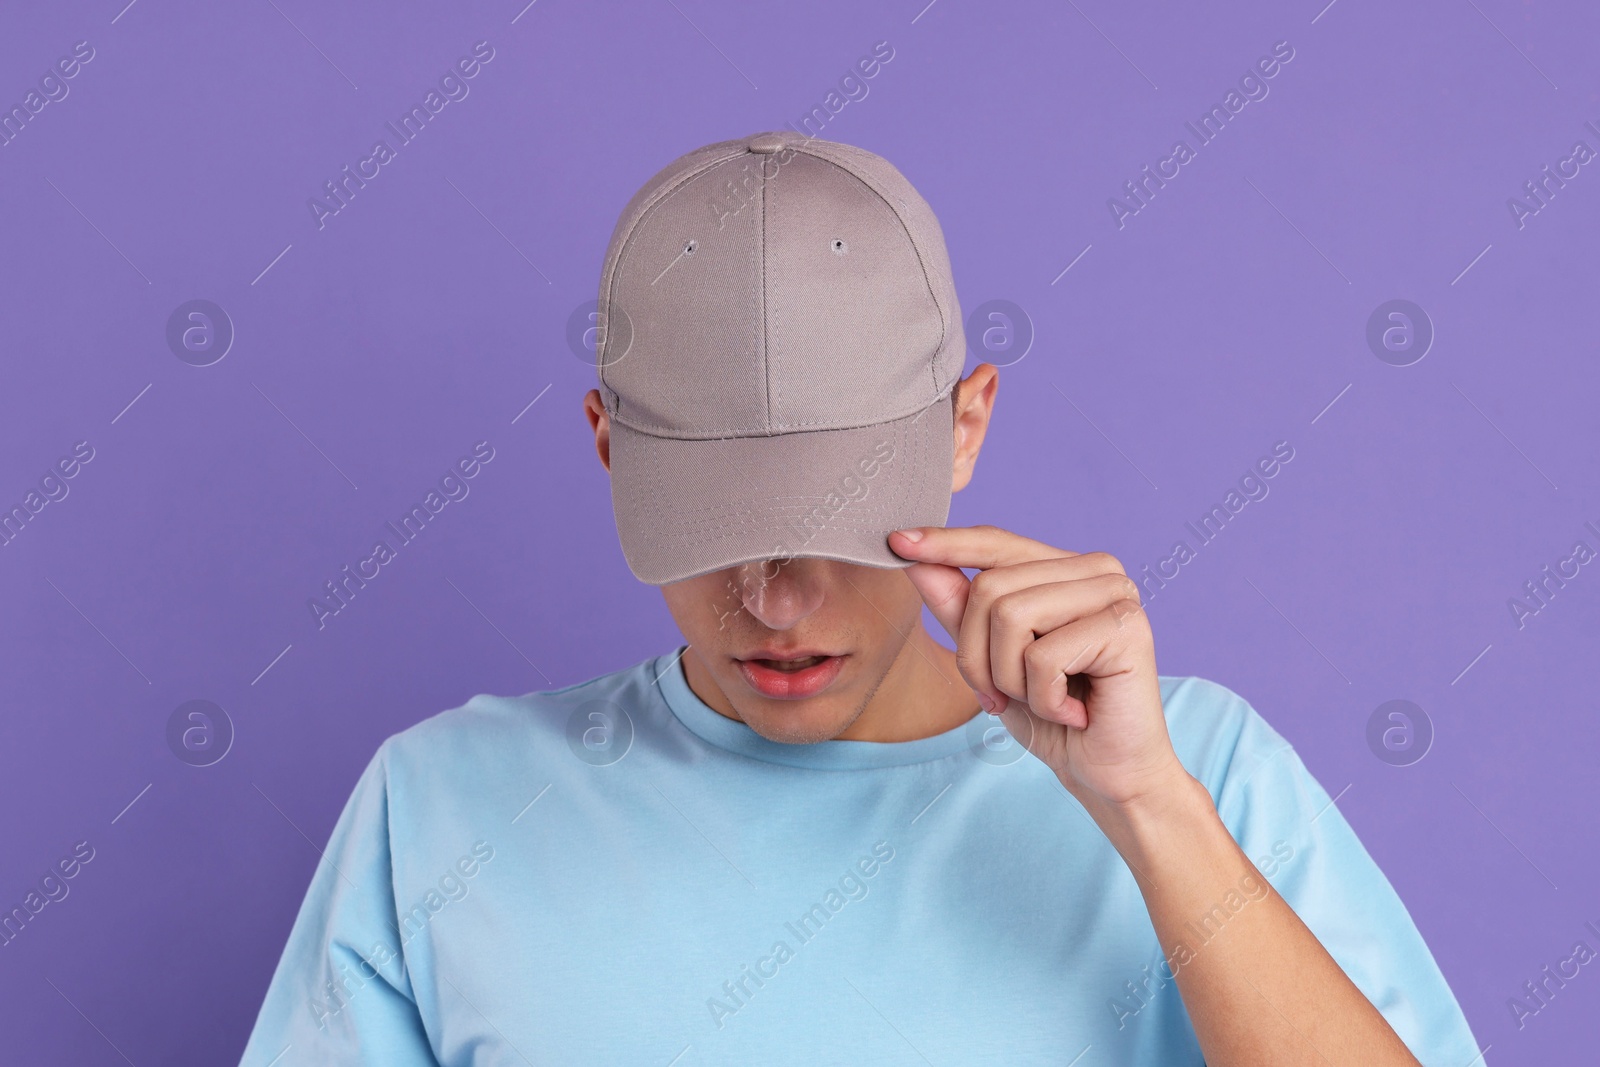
(780, 334)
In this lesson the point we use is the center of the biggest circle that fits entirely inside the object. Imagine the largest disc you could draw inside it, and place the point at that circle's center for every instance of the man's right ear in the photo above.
(595, 409)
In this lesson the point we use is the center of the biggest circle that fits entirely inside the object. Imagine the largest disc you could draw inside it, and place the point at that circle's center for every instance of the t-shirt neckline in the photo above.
(716, 729)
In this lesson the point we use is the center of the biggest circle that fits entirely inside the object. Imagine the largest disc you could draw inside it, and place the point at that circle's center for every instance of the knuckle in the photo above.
(1008, 611)
(981, 584)
(1107, 562)
(972, 667)
(1129, 613)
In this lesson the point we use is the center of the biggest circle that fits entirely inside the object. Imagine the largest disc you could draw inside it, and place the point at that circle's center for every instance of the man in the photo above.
(802, 837)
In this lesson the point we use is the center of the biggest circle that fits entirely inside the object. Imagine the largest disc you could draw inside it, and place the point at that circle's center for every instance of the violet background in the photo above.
(428, 313)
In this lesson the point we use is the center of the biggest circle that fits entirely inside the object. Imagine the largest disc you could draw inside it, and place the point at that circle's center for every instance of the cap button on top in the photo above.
(766, 143)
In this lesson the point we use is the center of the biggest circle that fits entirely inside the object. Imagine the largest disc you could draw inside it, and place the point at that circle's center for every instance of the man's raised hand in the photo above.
(1056, 643)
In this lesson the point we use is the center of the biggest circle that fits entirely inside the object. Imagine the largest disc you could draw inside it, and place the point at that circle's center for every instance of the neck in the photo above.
(921, 695)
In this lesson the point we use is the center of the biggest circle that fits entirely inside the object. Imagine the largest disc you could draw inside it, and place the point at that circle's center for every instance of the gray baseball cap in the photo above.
(779, 338)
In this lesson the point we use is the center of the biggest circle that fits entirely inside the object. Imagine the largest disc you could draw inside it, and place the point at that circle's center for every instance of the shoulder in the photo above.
(1219, 737)
(490, 732)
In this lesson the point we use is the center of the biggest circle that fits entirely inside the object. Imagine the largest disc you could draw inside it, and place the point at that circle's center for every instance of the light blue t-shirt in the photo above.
(613, 873)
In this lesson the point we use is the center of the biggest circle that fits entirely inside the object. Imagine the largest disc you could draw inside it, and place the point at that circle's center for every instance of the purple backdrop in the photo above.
(233, 456)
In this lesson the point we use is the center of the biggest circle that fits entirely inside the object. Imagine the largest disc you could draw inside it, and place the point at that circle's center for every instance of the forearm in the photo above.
(1258, 986)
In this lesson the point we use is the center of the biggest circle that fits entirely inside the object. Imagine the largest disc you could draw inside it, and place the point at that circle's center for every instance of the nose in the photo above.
(780, 593)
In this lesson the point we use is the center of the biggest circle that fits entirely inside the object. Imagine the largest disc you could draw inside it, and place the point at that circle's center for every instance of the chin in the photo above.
(793, 723)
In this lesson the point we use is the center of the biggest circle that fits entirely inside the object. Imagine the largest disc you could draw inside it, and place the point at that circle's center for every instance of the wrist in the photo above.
(1173, 811)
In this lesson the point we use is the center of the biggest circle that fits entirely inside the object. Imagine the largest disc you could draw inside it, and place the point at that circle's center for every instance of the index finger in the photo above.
(981, 547)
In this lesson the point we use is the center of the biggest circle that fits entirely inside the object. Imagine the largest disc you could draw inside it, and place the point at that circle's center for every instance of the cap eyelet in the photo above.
(839, 247)
(689, 249)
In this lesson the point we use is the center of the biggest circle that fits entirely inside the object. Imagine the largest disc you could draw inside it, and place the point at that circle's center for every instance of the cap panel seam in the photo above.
(609, 285)
(944, 326)
(922, 267)
(766, 303)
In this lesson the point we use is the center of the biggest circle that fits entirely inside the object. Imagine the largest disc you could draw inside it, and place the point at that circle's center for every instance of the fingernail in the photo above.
(912, 534)
(986, 702)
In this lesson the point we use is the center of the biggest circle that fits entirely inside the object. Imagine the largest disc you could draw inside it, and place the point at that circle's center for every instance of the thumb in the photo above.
(944, 589)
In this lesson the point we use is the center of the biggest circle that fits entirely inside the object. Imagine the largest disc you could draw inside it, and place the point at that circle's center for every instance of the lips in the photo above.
(791, 664)
(790, 675)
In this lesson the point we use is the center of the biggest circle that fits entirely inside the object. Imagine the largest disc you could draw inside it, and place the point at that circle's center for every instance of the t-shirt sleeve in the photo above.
(1288, 825)
(341, 995)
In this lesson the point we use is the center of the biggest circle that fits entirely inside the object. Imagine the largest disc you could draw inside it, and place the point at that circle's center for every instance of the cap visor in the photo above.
(686, 508)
